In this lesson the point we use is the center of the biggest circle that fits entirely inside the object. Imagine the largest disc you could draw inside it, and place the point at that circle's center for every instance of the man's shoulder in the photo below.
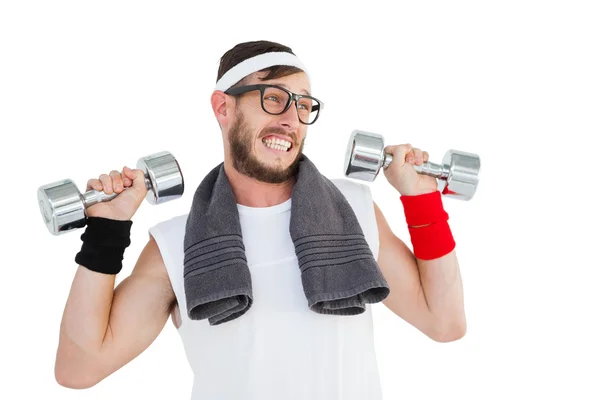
(170, 225)
(350, 187)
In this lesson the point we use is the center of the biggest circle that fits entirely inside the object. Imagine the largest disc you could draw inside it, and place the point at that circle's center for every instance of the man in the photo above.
(263, 341)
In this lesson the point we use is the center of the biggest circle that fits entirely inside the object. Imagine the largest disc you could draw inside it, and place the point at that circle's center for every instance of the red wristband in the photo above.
(432, 241)
(435, 239)
(424, 209)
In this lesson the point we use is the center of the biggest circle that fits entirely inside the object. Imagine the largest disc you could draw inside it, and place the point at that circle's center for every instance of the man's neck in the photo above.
(252, 193)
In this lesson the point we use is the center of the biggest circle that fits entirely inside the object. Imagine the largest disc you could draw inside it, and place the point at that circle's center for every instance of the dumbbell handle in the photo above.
(427, 168)
(92, 197)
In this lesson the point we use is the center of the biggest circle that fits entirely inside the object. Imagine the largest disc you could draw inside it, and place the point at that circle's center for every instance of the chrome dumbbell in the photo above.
(63, 206)
(459, 171)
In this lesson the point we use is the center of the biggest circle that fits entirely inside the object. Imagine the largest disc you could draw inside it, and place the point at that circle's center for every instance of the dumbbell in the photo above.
(458, 172)
(63, 206)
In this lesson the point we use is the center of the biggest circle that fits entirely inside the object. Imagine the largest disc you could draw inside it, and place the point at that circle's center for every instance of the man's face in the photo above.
(254, 133)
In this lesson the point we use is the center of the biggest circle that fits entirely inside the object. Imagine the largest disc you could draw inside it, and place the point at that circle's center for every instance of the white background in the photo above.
(86, 87)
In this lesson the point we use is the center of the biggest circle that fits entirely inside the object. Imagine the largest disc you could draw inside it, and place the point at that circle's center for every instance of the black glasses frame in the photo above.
(292, 97)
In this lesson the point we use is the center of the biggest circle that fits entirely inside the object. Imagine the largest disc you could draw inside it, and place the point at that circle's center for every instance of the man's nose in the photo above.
(290, 117)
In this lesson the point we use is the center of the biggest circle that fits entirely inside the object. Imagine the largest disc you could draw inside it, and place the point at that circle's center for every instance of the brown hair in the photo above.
(243, 51)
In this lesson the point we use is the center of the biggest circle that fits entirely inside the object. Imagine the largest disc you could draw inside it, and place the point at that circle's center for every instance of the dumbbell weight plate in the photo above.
(463, 177)
(364, 155)
(61, 206)
(164, 173)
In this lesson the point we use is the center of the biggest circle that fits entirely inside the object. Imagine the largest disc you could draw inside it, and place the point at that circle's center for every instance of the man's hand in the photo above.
(401, 173)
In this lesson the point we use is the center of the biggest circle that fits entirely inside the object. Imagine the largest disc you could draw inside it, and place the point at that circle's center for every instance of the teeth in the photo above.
(278, 144)
(276, 147)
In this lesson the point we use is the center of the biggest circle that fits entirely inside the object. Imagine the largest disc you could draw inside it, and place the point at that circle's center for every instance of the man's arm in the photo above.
(428, 294)
(104, 328)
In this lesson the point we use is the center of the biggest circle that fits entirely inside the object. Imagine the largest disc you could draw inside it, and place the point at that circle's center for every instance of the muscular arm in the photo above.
(103, 328)
(428, 294)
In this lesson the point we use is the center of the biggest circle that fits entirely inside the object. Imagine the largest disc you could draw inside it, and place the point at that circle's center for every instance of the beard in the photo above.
(241, 142)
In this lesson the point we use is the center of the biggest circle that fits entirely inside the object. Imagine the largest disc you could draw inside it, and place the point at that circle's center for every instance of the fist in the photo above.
(401, 174)
(131, 188)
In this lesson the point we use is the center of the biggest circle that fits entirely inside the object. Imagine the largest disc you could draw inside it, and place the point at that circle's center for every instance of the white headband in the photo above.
(255, 64)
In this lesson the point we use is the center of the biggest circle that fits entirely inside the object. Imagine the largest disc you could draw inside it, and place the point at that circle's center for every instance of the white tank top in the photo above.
(279, 349)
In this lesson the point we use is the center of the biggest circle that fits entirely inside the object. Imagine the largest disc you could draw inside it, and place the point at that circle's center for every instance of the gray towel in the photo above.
(338, 271)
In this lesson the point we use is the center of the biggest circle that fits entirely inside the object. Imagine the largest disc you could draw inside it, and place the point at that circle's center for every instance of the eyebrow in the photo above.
(288, 88)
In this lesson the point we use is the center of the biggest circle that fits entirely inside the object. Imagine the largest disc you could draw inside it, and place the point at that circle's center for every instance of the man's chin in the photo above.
(270, 172)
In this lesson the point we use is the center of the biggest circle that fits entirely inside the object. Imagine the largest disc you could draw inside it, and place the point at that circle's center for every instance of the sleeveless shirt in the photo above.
(279, 349)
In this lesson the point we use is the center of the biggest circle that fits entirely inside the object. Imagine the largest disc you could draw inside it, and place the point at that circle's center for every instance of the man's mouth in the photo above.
(277, 144)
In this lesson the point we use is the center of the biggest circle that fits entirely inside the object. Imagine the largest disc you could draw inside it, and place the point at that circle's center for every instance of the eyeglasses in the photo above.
(276, 100)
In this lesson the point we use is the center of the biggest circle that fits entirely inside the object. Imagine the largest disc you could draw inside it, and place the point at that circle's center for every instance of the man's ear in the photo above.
(218, 100)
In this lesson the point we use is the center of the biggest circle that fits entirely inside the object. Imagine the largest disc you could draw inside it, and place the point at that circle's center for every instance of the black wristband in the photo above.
(104, 243)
